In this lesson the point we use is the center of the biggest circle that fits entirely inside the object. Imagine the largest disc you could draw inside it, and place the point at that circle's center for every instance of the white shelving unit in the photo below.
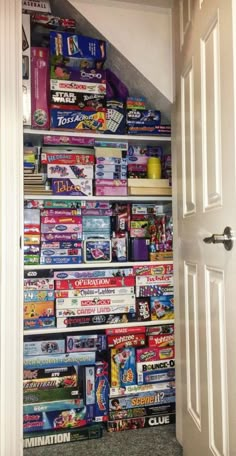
(35, 137)
(35, 332)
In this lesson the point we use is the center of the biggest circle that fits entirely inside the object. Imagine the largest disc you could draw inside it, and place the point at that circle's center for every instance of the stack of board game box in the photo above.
(76, 384)
(110, 169)
(75, 232)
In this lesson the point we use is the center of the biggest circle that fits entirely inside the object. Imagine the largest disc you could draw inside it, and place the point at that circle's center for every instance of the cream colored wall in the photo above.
(142, 32)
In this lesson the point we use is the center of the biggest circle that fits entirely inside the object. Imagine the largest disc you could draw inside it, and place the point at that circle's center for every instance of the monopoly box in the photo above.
(140, 423)
(71, 88)
(103, 301)
(38, 439)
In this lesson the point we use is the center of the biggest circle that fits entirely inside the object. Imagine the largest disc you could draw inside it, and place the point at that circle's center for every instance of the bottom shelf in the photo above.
(35, 332)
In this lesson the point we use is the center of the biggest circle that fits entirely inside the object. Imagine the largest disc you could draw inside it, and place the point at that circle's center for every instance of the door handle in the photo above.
(226, 238)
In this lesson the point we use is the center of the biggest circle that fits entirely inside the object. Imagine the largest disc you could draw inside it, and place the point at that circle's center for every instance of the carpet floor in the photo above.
(146, 442)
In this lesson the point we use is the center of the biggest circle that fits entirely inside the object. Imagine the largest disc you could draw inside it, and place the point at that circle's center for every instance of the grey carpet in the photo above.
(149, 442)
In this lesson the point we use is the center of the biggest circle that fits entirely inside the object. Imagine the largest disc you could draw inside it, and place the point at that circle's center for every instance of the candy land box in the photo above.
(154, 354)
(140, 423)
(96, 310)
(45, 438)
(73, 187)
(149, 410)
(142, 400)
(70, 171)
(76, 46)
(33, 348)
(78, 120)
(123, 368)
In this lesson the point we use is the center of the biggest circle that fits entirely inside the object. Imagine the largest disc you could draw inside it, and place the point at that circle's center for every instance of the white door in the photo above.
(205, 157)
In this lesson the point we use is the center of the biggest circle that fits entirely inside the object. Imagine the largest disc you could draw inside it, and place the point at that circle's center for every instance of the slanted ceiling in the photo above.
(134, 79)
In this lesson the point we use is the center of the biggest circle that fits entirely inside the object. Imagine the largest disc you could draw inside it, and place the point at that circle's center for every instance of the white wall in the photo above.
(141, 32)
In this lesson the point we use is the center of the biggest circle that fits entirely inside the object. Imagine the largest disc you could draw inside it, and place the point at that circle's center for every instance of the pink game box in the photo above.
(40, 84)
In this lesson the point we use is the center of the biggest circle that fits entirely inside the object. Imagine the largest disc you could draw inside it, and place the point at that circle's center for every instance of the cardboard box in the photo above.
(96, 310)
(153, 183)
(76, 46)
(154, 354)
(50, 372)
(95, 292)
(64, 119)
(26, 69)
(140, 423)
(96, 250)
(73, 74)
(123, 367)
(72, 187)
(95, 274)
(38, 309)
(33, 348)
(110, 191)
(39, 323)
(152, 410)
(108, 282)
(36, 6)
(135, 117)
(39, 70)
(148, 398)
(97, 301)
(91, 342)
(39, 439)
(65, 158)
(61, 252)
(110, 319)
(74, 87)
(161, 269)
(42, 421)
(71, 259)
(54, 361)
(40, 284)
(102, 391)
(70, 171)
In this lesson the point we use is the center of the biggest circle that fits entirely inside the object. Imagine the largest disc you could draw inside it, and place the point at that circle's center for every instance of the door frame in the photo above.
(11, 229)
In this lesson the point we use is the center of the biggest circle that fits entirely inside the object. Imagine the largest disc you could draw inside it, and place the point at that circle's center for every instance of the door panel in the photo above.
(204, 145)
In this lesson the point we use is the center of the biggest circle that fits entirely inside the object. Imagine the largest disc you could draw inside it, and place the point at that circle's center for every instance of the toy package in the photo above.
(123, 371)
(162, 307)
(115, 117)
(102, 391)
(39, 322)
(73, 187)
(26, 69)
(97, 250)
(143, 311)
(45, 438)
(135, 117)
(39, 74)
(154, 354)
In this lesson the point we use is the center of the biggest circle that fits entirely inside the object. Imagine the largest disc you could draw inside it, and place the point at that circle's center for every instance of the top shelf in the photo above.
(36, 136)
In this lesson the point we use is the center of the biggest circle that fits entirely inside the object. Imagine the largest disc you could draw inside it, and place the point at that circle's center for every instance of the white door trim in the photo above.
(11, 203)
